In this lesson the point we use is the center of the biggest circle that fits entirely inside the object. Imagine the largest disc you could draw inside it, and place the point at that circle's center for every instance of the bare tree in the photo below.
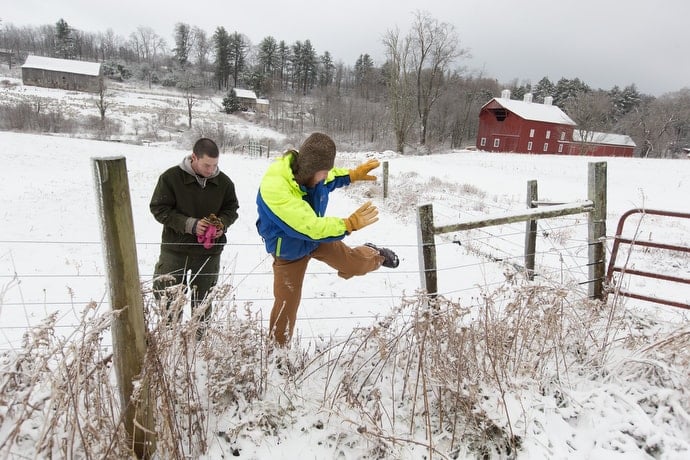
(590, 110)
(189, 84)
(434, 46)
(102, 102)
(660, 126)
(148, 44)
(202, 48)
(400, 93)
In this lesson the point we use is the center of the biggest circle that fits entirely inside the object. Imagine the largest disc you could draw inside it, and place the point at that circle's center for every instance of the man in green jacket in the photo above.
(196, 203)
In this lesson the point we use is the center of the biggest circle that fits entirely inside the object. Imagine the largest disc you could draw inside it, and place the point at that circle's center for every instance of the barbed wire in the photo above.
(501, 242)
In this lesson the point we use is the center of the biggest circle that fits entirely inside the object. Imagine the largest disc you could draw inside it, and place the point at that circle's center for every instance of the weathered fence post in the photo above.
(531, 231)
(596, 193)
(385, 180)
(128, 330)
(427, 247)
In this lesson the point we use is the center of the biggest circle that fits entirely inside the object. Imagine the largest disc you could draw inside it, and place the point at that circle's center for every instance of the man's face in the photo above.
(317, 177)
(204, 165)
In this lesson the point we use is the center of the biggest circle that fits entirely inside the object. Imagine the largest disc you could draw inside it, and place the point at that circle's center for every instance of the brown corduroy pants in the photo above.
(288, 276)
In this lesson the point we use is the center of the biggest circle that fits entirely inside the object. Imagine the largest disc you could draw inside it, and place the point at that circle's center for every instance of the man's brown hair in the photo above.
(205, 147)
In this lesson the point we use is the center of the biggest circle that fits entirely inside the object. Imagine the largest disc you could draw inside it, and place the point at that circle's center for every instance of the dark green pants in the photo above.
(198, 272)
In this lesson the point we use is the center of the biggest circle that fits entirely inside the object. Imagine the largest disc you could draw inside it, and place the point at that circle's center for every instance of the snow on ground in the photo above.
(51, 260)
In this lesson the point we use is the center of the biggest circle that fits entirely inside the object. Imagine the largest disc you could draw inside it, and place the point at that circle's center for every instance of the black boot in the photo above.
(390, 259)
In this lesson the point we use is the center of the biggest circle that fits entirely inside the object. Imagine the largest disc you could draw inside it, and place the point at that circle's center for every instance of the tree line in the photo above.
(419, 99)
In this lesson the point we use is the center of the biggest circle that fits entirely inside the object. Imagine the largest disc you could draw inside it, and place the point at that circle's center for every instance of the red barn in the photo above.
(508, 125)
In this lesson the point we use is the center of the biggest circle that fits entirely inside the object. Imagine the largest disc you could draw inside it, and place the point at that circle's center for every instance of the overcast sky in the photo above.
(602, 42)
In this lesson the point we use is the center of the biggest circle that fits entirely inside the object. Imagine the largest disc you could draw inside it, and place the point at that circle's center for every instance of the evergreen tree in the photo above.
(268, 66)
(231, 103)
(326, 70)
(64, 40)
(304, 66)
(544, 89)
(364, 74)
(624, 101)
(183, 43)
(283, 64)
(238, 46)
(567, 90)
(221, 42)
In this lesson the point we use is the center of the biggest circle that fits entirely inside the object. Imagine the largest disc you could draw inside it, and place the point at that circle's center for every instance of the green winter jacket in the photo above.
(180, 195)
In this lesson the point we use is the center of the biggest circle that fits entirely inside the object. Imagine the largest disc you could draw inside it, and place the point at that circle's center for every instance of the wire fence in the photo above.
(470, 264)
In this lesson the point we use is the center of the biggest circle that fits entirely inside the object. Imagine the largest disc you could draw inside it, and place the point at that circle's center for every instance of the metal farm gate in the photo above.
(614, 286)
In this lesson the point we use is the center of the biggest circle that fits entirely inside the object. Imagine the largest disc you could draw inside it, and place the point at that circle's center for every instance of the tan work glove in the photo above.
(361, 172)
(366, 214)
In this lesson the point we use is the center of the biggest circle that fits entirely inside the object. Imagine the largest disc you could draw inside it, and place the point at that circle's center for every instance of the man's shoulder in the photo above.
(172, 171)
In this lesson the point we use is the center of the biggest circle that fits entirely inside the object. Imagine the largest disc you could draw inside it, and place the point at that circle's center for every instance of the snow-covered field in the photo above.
(51, 260)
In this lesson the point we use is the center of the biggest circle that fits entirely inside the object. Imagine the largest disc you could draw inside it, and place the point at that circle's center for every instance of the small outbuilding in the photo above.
(66, 74)
(249, 102)
(246, 99)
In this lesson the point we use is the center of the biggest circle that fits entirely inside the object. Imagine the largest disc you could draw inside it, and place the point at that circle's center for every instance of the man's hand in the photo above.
(201, 226)
(208, 232)
(361, 172)
(367, 214)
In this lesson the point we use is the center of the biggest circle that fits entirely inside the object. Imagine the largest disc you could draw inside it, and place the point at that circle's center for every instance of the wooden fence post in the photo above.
(385, 180)
(596, 193)
(427, 249)
(531, 231)
(128, 329)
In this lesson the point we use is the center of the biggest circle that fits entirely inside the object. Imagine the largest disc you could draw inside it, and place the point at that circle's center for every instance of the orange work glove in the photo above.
(361, 172)
(366, 214)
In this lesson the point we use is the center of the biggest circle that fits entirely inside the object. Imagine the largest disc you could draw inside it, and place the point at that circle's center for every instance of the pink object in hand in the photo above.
(208, 237)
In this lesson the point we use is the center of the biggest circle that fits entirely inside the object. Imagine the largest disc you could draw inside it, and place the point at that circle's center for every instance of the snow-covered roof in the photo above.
(63, 65)
(262, 101)
(602, 138)
(535, 111)
(245, 93)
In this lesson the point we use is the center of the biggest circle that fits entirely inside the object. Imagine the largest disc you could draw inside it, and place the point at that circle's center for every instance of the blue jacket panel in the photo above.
(292, 219)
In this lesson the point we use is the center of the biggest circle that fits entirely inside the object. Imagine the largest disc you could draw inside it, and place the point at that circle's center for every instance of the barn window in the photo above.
(482, 142)
(500, 114)
(497, 143)
(529, 146)
(531, 132)
(563, 136)
(548, 134)
(546, 146)
(560, 148)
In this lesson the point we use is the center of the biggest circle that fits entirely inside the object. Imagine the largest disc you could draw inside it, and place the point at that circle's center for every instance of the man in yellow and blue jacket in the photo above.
(292, 202)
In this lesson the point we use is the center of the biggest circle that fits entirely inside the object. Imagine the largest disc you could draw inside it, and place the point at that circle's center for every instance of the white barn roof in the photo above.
(535, 111)
(603, 138)
(63, 65)
(245, 93)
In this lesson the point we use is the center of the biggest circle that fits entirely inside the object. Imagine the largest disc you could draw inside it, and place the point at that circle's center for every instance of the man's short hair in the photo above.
(205, 147)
